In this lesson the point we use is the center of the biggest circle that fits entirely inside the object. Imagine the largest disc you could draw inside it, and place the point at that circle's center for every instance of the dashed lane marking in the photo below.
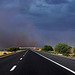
(18, 61)
(13, 68)
(20, 58)
(23, 55)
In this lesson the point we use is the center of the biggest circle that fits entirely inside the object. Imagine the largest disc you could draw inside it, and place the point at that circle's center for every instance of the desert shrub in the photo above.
(74, 50)
(63, 48)
(11, 49)
(66, 54)
(73, 55)
(47, 48)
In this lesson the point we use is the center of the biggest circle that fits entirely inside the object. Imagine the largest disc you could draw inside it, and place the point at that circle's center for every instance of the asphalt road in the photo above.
(36, 63)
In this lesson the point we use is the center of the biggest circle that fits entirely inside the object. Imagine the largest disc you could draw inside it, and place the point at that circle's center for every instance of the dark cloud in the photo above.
(35, 22)
(56, 1)
(71, 7)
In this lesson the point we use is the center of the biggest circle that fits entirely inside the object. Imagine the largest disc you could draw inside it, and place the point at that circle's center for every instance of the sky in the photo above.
(36, 22)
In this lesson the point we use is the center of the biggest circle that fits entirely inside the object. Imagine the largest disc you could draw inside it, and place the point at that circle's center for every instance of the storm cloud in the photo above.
(56, 1)
(36, 22)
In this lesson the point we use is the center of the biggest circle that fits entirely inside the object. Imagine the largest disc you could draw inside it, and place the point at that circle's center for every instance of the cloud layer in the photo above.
(36, 22)
(56, 1)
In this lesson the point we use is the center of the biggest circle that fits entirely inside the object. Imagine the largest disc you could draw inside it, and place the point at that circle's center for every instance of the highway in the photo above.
(32, 62)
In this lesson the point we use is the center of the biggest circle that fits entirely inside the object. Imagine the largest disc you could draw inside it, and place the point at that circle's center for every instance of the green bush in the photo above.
(47, 48)
(11, 49)
(66, 54)
(73, 55)
(74, 50)
(63, 48)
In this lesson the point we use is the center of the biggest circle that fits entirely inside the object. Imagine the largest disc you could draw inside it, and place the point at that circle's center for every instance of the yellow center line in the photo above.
(7, 55)
(4, 56)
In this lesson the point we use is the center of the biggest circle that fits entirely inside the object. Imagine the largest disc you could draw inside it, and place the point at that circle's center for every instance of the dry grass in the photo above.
(2, 52)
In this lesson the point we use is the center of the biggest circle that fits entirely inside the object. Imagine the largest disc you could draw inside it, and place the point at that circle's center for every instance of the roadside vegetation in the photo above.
(12, 49)
(74, 51)
(63, 48)
(47, 48)
(60, 49)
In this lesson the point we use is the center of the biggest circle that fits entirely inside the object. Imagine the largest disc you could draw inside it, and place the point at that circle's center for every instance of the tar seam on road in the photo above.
(55, 62)
(13, 68)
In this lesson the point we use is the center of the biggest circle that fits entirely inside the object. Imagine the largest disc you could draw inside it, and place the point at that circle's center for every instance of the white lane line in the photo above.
(18, 61)
(55, 62)
(25, 53)
(20, 58)
(13, 68)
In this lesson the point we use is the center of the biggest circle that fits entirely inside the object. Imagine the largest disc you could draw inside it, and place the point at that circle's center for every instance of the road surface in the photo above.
(36, 63)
